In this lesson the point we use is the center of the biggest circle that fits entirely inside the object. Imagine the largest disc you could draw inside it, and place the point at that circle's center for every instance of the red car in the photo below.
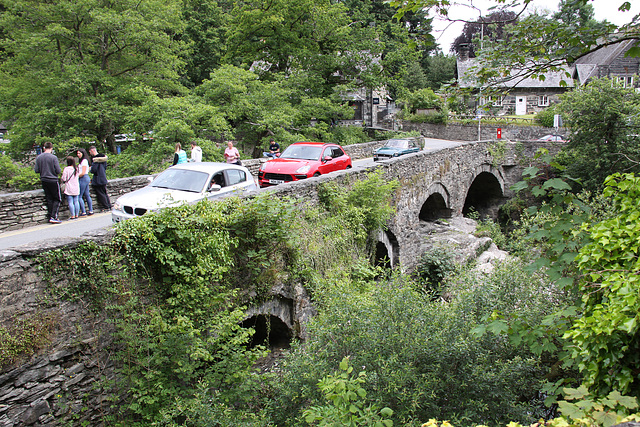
(303, 160)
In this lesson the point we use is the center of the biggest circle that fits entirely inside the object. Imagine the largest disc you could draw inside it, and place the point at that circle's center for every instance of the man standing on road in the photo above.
(196, 152)
(48, 167)
(99, 181)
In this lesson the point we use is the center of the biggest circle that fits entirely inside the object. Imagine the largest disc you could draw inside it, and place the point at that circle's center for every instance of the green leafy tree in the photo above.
(440, 70)
(73, 67)
(205, 31)
(604, 118)
(606, 337)
(285, 35)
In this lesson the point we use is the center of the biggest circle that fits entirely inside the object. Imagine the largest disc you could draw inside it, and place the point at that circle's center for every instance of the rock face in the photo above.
(456, 235)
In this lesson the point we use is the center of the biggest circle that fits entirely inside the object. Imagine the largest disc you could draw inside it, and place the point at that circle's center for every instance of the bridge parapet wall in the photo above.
(28, 208)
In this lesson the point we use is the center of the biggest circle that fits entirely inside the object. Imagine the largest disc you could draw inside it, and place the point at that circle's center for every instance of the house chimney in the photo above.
(463, 51)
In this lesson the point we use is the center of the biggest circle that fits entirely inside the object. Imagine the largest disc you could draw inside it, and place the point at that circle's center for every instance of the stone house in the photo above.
(609, 61)
(372, 108)
(520, 95)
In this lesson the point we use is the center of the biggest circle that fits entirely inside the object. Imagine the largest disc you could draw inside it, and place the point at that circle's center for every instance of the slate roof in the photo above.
(552, 78)
(587, 66)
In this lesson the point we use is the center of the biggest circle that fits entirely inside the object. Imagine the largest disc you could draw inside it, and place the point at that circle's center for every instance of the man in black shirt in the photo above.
(48, 167)
(99, 181)
(274, 149)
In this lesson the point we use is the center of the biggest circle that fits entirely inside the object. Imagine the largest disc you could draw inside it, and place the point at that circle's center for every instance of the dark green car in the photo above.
(395, 148)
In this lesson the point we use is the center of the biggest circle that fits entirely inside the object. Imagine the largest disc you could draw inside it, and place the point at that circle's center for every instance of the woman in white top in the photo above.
(83, 175)
(71, 186)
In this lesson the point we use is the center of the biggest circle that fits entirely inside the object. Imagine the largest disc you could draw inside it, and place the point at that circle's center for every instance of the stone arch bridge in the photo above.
(444, 183)
(473, 176)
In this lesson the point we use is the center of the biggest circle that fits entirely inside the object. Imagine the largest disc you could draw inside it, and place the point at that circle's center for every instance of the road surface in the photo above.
(68, 228)
(77, 227)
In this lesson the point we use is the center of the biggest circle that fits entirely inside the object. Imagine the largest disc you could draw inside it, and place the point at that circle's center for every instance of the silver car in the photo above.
(185, 183)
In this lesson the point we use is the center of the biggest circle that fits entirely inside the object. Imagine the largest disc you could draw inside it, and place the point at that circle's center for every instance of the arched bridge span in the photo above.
(435, 184)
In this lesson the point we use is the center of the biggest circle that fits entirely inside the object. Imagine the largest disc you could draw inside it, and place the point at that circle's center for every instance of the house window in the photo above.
(496, 101)
(543, 101)
(625, 81)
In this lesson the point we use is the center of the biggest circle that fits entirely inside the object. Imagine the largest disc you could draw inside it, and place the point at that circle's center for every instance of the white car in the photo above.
(552, 138)
(185, 183)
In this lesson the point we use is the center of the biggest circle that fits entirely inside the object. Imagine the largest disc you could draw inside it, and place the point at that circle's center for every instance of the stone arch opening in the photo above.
(382, 257)
(387, 250)
(434, 208)
(437, 204)
(271, 331)
(484, 196)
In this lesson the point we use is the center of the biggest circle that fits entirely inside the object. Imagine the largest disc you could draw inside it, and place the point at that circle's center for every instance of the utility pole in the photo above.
(480, 93)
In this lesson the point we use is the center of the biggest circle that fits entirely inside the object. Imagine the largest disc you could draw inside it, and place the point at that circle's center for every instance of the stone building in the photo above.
(520, 95)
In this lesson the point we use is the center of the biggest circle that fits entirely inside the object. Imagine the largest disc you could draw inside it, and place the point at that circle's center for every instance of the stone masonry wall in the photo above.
(19, 210)
(60, 383)
(460, 132)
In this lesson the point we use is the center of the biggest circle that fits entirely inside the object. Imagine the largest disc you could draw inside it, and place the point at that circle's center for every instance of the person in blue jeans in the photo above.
(83, 178)
(72, 187)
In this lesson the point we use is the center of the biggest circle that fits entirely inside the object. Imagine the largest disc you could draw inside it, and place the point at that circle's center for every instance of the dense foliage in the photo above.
(176, 283)
(205, 70)
(604, 118)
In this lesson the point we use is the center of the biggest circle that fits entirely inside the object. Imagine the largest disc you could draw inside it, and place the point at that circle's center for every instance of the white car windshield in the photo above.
(397, 143)
(303, 152)
(180, 179)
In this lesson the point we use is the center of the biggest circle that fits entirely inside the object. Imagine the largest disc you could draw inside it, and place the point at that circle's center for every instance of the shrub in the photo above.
(545, 117)
(433, 267)
(14, 176)
(420, 358)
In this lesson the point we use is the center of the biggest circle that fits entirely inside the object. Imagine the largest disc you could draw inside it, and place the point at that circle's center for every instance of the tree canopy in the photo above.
(88, 70)
(74, 67)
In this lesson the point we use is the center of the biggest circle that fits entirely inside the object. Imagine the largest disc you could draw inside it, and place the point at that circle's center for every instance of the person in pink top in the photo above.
(70, 177)
(231, 154)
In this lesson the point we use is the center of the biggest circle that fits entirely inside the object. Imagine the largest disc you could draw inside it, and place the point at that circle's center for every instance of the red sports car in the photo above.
(303, 160)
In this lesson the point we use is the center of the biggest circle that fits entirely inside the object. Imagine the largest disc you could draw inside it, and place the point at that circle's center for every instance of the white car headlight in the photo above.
(263, 166)
(117, 206)
(303, 169)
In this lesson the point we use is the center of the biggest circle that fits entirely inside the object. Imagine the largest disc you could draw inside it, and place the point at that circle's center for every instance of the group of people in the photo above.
(75, 178)
(231, 154)
(180, 155)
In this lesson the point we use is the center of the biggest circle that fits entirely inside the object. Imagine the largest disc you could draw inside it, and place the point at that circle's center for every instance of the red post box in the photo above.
(499, 133)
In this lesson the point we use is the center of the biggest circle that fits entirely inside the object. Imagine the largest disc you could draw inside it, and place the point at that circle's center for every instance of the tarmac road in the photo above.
(68, 228)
